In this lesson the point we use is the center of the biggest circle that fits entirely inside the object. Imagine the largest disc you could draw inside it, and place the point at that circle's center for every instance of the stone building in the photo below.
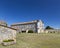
(35, 26)
(3, 23)
(6, 32)
(52, 31)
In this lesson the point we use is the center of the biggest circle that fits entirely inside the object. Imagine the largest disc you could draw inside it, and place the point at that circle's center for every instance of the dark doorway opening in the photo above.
(23, 31)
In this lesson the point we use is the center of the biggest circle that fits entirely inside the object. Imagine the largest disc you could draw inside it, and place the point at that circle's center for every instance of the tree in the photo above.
(48, 27)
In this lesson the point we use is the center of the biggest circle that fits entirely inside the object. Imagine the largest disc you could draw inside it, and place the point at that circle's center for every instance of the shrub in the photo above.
(30, 31)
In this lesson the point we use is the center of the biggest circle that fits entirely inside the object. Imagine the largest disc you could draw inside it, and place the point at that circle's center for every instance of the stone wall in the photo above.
(7, 33)
(52, 31)
(3, 23)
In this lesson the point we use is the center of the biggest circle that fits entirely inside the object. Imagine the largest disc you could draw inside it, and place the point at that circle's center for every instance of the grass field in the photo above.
(34, 40)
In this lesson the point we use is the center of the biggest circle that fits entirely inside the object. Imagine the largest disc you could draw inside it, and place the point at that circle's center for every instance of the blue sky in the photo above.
(48, 11)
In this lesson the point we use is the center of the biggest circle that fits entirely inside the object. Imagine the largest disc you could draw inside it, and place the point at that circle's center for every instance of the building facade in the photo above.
(52, 31)
(6, 32)
(35, 26)
(3, 23)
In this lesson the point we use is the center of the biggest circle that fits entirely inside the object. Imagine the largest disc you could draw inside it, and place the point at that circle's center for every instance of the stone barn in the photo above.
(6, 32)
(37, 26)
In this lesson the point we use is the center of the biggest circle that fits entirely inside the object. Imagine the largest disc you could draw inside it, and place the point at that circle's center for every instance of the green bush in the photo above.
(9, 40)
(30, 31)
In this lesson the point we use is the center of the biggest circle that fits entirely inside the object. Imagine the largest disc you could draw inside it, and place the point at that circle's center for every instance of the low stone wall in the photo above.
(7, 33)
(52, 31)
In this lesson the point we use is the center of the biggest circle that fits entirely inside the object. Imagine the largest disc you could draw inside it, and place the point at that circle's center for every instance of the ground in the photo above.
(34, 40)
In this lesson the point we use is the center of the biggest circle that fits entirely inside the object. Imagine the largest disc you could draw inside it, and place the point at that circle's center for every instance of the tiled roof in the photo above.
(25, 22)
(8, 27)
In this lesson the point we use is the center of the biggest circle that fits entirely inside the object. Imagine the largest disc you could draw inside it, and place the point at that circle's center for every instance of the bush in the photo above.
(30, 31)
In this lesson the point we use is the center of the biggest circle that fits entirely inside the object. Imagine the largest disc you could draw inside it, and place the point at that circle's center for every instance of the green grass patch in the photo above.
(9, 40)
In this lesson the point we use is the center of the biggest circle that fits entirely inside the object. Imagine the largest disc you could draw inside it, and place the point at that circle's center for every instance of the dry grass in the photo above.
(34, 40)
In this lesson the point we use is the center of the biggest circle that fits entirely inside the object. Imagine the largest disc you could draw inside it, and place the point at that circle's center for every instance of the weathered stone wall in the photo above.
(3, 23)
(40, 27)
(52, 31)
(7, 33)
